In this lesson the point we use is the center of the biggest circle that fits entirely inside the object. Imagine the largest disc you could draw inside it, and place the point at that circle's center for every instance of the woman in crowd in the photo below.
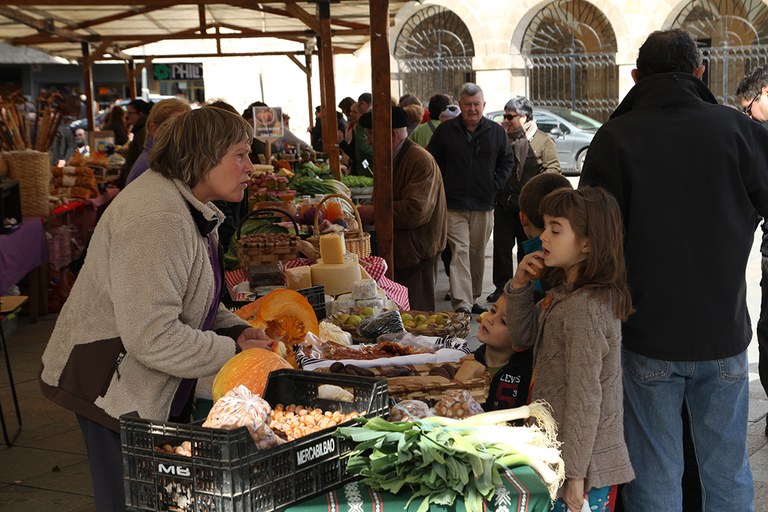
(143, 320)
(118, 124)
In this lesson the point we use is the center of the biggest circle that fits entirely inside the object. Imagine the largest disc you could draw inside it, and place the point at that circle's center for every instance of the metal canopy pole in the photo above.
(382, 131)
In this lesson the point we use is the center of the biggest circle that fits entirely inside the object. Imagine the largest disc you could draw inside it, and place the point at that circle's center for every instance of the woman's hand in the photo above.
(529, 269)
(573, 494)
(254, 338)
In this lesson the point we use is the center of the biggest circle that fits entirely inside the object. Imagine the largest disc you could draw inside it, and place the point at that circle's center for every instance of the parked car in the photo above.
(571, 130)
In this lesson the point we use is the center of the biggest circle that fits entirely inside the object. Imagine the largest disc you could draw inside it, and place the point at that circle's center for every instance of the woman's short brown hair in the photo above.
(194, 143)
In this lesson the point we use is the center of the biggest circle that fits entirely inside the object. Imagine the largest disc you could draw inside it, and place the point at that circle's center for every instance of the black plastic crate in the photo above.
(226, 473)
(316, 297)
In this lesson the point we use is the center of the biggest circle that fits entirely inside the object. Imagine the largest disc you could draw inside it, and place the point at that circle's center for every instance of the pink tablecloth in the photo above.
(21, 251)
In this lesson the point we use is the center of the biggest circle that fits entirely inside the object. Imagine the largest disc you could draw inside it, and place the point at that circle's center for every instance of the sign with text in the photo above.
(177, 71)
(268, 122)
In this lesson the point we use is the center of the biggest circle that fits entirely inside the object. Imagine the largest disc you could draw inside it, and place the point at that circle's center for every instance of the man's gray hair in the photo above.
(470, 89)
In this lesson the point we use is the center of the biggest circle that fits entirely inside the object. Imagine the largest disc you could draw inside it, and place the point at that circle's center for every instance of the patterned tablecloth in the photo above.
(523, 491)
(374, 265)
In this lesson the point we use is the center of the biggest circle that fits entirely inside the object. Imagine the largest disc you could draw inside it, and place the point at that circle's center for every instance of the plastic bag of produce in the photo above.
(409, 410)
(458, 404)
(382, 323)
(241, 408)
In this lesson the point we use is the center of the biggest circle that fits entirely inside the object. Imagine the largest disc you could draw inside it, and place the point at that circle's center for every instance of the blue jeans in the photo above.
(717, 397)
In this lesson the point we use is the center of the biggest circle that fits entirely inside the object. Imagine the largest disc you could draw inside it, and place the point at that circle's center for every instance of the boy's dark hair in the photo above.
(594, 215)
(752, 84)
(365, 98)
(437, 104)
(534, 191)
(666, 51)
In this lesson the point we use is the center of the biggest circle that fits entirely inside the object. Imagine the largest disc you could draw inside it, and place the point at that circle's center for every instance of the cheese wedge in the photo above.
(332, 248)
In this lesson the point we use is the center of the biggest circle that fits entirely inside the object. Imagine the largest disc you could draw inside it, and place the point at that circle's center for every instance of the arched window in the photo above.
(570, 53)
(434, 53)
(733, 37)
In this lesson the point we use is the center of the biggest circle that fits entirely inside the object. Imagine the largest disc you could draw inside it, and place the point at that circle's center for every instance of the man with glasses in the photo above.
(751, 93)
(136, 115)
(535, 152)
(691, 178)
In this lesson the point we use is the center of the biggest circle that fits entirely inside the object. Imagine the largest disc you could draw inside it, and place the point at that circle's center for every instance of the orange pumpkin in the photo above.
(249, 368)
(285, 315)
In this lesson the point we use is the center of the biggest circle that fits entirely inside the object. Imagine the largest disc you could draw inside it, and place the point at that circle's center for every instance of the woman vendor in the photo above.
(143, 320)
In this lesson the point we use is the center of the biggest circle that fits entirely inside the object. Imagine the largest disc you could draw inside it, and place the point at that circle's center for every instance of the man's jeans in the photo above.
(762, 326)
(717, 395)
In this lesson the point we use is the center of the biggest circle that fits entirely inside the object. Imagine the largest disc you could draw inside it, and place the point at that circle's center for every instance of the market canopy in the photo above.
(113, 30)
(97, 30)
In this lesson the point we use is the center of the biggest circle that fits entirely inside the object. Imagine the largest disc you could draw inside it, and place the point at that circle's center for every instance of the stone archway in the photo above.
(434, 51)
(733, 37)
(570, 52)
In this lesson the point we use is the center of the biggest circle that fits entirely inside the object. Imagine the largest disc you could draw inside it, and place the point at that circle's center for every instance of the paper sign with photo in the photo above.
(268, 122)
(101, 142)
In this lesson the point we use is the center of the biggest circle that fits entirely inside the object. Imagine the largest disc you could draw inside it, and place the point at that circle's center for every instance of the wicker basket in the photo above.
(268, 248)
(427, 390)
(457, 325)
(32, 169)
(357, 242)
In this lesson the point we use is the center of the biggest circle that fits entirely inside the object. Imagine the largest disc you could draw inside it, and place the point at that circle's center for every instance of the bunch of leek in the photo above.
(439, 459)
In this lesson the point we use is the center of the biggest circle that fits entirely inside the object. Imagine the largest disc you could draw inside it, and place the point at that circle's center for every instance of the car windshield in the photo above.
(579, 120)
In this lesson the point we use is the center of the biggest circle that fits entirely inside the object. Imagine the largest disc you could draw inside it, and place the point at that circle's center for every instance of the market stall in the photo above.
(303, 427)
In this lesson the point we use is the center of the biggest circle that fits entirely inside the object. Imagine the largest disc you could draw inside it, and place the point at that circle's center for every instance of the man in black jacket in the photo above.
(691, 177)
(475, 160)
(752, 93)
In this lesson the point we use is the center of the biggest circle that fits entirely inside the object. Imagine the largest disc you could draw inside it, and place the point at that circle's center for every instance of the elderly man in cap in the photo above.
(535, 152)
(418, 210)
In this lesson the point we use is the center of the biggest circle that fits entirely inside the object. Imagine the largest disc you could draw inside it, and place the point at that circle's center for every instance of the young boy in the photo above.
(533, 223)
(511, 365)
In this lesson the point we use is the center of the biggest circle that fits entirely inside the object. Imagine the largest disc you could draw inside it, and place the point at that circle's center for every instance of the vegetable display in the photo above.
(249, 368)
(285, 315)
(440, 459)
(353, 181)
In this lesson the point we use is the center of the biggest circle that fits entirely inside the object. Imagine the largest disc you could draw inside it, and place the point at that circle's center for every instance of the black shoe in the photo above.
(492, 298)
(448, 297)
(477, 309)
(463, 310)
(766, 426)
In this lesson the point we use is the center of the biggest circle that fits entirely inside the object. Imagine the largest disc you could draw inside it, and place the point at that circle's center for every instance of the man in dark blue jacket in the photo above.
(691, 177)
(475, 161)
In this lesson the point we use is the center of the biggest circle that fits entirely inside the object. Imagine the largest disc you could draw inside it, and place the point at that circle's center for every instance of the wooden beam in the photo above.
(88, 83)
(330, 122)
(382, 132)
(130, 73)
(302, 15)
(299, 64)
(201, 17)
(223, 54)
(41, 25)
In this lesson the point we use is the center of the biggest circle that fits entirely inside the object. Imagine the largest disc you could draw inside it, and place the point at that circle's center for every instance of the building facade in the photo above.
(573, 53)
